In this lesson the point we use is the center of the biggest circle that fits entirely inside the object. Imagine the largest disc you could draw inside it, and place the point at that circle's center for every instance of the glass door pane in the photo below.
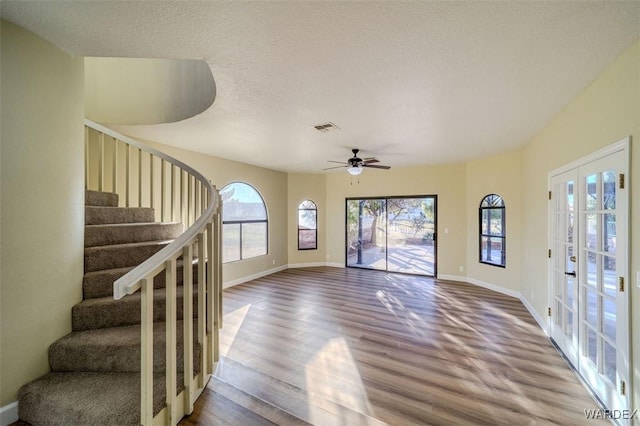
(367, 233)
(411, 228)
(564, 264)
(598, 248)
(604, 300)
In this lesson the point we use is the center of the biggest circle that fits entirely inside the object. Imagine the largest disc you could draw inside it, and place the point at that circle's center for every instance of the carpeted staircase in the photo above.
(95, 370)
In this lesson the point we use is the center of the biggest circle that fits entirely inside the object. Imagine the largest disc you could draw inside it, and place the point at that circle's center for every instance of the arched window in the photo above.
(307, 225)
(492, 231)
(244, 222)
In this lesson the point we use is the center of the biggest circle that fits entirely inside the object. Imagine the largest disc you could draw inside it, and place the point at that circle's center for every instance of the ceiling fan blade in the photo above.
(370, 160)
(339, 162)
(336, 167)
(371, 166)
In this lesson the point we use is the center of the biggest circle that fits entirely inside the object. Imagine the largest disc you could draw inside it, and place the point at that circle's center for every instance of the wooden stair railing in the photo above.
(146, 177)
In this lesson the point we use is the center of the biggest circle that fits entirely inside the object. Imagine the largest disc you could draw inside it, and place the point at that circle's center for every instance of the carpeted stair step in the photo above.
(107, 312)
(97, 198)
(86, 398)
(124, 233)
(97, 215)
(120, 255)
(95, 378)
(100, 283)
(115, 349)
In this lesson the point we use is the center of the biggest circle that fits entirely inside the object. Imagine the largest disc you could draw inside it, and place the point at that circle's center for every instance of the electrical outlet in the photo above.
(461, 268)
(274, 261)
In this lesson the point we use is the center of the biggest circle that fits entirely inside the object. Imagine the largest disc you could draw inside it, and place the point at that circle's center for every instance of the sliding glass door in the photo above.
(394, 234)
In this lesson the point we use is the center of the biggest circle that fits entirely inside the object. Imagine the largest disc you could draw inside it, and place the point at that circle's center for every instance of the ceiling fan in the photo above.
(355, 165)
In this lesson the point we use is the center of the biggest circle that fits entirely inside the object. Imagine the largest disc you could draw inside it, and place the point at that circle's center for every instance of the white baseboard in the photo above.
(261, 274)
(509, 292)
(544, 325)
(496, 288)
(306, 265)
(459, 278)
(237, 281)
(513, 293)
(316, 264)
(9, 414)
(479, 283)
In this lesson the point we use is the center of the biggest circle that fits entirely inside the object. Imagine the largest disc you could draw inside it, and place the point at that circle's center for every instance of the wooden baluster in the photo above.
(183, 200)
(203, 205)
(173, 192)
(139, 177)
(151, 188)
(202, 313)
(219, 286)
(146, 351)
(187, 321)
(114, 167)
(127, 172)
(196, 198)
(171, 341)
(101, 164)
(162, 188)
(211, 304)
(189, 200)
(86, 157)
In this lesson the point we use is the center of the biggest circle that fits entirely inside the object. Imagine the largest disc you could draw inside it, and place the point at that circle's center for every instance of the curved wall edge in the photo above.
(146, 91)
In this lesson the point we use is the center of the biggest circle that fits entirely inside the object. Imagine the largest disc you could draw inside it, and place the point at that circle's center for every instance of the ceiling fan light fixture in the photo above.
(354, 170)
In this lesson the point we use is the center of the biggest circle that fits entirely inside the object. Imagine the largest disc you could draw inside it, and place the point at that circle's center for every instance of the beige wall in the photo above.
(605, 112)
(448, 182)
(272, 185)
(42, 202)
(302, 187)
(146, 91)
(500, 175)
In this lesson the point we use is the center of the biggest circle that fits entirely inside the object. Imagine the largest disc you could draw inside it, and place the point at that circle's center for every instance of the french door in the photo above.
(564, 293)
(589, 298)
(396, 234)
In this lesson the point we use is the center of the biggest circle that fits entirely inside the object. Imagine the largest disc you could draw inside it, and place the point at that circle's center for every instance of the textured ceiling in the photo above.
(409, 82)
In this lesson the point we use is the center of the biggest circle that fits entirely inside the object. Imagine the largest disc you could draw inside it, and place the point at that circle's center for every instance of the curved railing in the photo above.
(145, 177)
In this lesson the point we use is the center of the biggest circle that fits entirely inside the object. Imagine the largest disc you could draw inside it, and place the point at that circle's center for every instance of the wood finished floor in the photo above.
(332, 346)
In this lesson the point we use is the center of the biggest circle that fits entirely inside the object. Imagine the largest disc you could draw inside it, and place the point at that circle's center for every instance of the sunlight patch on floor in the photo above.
(344, 388)
(232, 323)
(394, 305)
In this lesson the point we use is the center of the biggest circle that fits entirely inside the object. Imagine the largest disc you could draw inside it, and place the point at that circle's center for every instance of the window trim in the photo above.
(315, 208)
(502, 237)
(248, 221)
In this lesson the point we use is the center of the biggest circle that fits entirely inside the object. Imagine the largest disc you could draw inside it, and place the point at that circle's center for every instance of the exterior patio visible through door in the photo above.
(396, 234)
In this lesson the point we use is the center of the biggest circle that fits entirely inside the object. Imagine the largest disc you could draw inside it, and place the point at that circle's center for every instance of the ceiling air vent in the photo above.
(326, 127)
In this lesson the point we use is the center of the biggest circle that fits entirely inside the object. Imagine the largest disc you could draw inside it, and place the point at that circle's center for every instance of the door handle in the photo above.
(571, 274)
